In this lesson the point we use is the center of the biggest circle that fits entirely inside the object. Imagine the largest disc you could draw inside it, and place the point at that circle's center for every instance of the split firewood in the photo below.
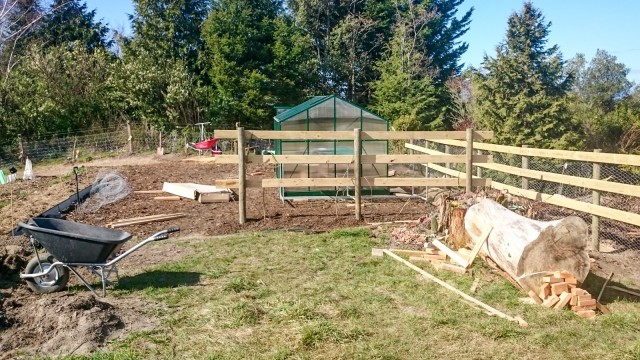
(557, 291)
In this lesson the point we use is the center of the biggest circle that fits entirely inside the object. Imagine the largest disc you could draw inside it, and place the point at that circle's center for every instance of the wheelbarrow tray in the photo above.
(206, 144)
(72, 242)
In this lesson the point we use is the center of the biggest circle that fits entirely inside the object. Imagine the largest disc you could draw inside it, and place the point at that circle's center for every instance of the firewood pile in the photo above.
(560, 290)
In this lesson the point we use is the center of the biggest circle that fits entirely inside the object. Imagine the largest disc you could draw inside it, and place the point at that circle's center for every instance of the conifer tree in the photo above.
(522, 90)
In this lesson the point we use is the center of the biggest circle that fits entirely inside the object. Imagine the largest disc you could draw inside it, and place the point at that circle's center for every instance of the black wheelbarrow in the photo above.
(69, 245)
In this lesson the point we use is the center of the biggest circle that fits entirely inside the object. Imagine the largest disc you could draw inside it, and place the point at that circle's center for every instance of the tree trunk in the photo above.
(528, 249)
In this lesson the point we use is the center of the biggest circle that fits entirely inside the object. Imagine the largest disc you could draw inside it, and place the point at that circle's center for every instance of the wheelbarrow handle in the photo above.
(164, 234)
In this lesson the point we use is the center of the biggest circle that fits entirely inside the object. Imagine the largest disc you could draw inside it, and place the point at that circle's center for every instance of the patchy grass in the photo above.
(293, 296)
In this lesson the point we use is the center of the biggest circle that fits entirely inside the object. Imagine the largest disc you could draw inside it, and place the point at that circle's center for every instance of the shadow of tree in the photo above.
(159, 279)
(593, 284)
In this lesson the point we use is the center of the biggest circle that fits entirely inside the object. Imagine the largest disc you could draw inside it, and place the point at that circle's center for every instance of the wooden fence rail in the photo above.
(357, 159)
(597, 158)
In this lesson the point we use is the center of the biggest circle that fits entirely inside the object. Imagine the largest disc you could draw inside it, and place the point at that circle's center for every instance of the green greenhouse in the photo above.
(328, 113)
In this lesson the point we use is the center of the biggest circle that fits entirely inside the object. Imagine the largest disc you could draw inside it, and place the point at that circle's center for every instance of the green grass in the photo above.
(293, 296)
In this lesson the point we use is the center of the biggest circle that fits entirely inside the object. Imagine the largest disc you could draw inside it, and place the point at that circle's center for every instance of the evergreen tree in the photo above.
(169, 29)
(522, 91)
(405, 93)
(442, 37)
(257, 59)
(69, 21)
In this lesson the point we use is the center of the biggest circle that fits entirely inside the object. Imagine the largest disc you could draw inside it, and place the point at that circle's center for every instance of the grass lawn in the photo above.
(276, 295)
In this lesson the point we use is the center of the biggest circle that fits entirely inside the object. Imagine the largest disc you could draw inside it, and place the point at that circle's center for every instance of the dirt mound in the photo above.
(56, 325)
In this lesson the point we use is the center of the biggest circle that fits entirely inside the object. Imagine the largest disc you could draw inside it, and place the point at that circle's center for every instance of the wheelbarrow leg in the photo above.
(84, 282)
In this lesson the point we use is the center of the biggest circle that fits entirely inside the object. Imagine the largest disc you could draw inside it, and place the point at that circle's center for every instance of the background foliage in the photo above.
(226, 61)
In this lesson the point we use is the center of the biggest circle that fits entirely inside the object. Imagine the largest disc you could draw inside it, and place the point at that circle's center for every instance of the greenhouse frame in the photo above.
(328, 113)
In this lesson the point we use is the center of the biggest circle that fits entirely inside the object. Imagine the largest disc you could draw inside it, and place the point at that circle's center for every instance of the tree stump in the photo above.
(458, 237)
(528, 249)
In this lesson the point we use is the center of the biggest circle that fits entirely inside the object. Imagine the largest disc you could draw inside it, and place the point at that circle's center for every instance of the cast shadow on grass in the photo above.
(159, 279)
(593, 284)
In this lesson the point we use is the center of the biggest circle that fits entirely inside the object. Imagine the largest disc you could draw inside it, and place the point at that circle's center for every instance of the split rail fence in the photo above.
(575, 180)
(355, 160)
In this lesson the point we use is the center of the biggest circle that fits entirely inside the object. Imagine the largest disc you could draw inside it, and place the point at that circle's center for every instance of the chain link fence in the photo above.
(614, 236)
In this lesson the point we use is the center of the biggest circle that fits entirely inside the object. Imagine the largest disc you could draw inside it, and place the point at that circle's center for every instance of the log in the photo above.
(527, 250)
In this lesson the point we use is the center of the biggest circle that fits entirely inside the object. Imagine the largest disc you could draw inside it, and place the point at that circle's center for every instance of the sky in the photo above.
(577, 26)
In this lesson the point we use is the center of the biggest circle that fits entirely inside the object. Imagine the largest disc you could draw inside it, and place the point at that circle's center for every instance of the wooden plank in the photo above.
(584, 156)
(167, 198)
(408, 252)
(218, 159)
(308, 182)
(552, 279)
(559, 288)
(583, 308)
(551, 301)
(474, 286)
(330, 182)
(559, 200)
(234, 183)
(456, 291)
(605, 310)
(339, 159)
(565, 297)
(146, 221)
(377, 252)
(419, 181)
(145, 217)
(348, 135)
(545, 290)
(535, 297)
(602, 185)
(476, 249)
(453, 268)
(452, 254)
(217, 197)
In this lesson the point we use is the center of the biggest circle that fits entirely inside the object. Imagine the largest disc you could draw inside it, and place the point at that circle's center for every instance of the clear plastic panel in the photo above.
(294, 148)
(346, 112)
(322, 111)
(373, 125)
(322, 124)
(374, 147)
(295, 124)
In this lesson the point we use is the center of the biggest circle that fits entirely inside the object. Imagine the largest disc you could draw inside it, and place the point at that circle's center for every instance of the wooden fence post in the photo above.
(525, 165)
(129, 138)
(426, 173)
(357, 173)
(242, 189)
(479, 169)
(595, 220)
(469, 158)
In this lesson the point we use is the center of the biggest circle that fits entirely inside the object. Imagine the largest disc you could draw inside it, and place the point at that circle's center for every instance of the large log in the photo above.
(527, 249)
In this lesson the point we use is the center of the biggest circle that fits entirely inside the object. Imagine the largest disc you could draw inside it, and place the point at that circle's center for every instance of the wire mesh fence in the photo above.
(613, 235)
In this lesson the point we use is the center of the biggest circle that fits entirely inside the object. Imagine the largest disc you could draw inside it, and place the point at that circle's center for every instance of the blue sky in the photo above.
(578, 26)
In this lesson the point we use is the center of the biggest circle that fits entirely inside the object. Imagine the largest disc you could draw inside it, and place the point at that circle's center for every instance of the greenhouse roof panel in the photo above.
(314, 101)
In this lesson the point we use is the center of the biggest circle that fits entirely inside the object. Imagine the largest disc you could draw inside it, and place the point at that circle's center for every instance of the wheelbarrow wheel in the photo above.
(54, 281)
